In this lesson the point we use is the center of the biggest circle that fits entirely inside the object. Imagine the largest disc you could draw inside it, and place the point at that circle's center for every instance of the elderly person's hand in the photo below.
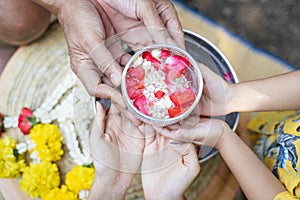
(90, 33)
(168, 168)
(117, 147)
(153, 21)
(86, 28)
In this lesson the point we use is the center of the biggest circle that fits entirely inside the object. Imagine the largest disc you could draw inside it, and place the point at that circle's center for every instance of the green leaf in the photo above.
(32, 120)
(89, 165)
(16, 154)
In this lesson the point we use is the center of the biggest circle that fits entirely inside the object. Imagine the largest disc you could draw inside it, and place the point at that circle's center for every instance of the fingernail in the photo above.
(115, 78)
(174, 143)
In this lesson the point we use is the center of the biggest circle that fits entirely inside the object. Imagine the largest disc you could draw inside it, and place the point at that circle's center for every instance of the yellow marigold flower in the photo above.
(80, 178)
(38, 179)
(11, 162)
(60, 194)
(48, 140)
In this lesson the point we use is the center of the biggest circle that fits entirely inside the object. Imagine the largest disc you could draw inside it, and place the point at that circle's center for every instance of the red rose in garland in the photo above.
(26, 120)
(2, 130)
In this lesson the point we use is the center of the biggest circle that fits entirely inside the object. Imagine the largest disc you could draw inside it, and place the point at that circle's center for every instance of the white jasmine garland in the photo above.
(10, 122)
(25, 146)
(57, 93)
(34, 156)
(63, 113)
(59, 108)
(70, 139)
(83, 194)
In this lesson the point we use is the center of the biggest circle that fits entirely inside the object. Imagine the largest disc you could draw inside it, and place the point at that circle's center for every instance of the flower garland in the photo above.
(46, 130)
(12, 164)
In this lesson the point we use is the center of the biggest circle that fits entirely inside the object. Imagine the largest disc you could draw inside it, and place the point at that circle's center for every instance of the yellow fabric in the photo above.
(289, 177)
(266, 121)
(291, 127)
(284, 196)
(278, 145)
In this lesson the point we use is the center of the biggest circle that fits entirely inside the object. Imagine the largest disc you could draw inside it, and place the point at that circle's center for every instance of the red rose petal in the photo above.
(176, 66)
(25, 127)
(141, 104)
(183, 98)
(133, 93)
(135, 82)
(164, 54)
(26, 112)
(159, 94)
(228, 76)
(26, 120)
(148, 56)
(136, 73)
(173, 112)
(24, 124)
(172, 75)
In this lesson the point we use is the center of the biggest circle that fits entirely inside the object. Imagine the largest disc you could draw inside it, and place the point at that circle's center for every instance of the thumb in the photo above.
(98, 127)
(106, 63)
(147, 12)
(104, 91)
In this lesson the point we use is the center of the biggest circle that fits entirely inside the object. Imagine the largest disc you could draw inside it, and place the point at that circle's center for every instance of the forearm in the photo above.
(274, 93)
(255, 179)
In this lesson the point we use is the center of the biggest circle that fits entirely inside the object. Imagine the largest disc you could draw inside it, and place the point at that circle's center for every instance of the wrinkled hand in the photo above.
(117, 146)
(167, 170)
(153, 21)
(216, 94)
(87, 28)
(90, 33)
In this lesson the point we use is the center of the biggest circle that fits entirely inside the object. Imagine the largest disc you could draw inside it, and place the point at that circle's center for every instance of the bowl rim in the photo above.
(159, 121)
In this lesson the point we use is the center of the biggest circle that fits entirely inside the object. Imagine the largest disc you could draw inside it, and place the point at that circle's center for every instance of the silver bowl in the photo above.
(204, 51)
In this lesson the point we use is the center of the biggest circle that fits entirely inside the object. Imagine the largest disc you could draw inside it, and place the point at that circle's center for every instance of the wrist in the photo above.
(103, 189)
(230, 105)
(225, 136)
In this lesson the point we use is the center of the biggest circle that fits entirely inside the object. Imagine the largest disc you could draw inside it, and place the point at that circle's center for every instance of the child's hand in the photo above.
(216, 94)
(208, 132)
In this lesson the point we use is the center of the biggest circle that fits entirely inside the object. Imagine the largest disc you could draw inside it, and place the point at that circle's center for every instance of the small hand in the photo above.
(167, 170)
(216, 94)
(207, 132)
